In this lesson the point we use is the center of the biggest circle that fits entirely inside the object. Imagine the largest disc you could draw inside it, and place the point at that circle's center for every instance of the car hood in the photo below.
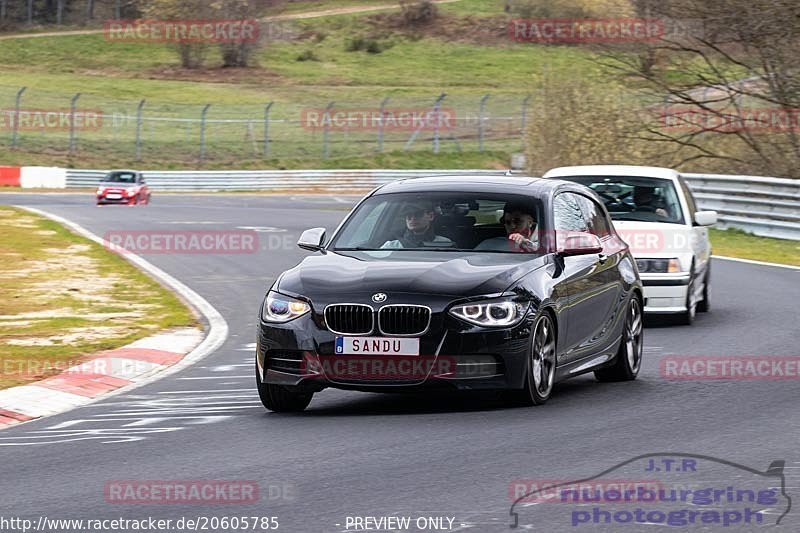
(653, 239)
(358, 274)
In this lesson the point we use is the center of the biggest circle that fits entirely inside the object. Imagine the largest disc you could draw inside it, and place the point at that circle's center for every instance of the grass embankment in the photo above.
(63, 297)
(457, 55)
(737, 243)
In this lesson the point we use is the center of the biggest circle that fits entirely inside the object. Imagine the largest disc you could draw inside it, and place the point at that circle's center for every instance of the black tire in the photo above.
(282, 399)
(686, 318)
(628, 360)
(541, 368)
(704, 305)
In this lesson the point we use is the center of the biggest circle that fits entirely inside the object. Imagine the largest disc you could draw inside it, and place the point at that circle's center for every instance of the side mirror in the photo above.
(312, 239)
(705, 218)
(580, 244)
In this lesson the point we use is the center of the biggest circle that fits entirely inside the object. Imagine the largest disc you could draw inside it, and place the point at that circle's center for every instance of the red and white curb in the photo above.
(96, 376)
(116, 371)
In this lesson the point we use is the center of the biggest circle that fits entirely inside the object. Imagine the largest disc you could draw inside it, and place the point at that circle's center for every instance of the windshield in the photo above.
(121, 177)
(447, 222)
(636, 198)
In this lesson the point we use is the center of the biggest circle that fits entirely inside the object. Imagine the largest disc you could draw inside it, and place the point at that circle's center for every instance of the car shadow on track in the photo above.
(571, 394)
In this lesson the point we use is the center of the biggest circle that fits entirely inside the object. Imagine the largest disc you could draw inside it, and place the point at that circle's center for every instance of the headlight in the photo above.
(662, 266)
(280, 308)
(491, 313)
(100, 190)
(130, 190)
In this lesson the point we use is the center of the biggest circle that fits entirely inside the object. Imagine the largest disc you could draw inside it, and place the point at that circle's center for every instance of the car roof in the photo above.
(472, 183)
(120, 170)
(613, 170)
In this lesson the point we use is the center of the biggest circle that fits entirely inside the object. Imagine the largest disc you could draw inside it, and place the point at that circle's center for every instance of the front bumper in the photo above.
(665, 293)
(123, 200)
(453, 355)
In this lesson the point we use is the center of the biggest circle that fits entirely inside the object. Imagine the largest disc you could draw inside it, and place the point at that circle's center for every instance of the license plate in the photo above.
(376, 346)
(113, 196)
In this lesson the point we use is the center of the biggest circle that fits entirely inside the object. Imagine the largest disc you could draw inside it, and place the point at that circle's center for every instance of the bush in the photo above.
(370, 46)
(373, 47)
(571, 122)
(355, 44)
(307, 55)
(533, 9)
(417, 12)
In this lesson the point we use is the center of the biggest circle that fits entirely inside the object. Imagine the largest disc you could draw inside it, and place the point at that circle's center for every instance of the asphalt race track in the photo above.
(357, 454)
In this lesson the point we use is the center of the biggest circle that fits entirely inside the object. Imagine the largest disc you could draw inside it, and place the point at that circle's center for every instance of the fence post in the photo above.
(266, 129)
(15, 119)
(437, 113)
(380, 123)
(413, 137)
(30, 12)
(117, 10)
(72, 105)
(203, 132)
(326, 123)
(139, 130)
(524, 117)
(480, 121)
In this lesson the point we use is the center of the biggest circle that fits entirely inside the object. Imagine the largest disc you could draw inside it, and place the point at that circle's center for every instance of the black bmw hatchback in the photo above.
(469, 283)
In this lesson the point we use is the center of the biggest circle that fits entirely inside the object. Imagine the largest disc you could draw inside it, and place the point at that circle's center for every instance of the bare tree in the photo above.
(716, 64)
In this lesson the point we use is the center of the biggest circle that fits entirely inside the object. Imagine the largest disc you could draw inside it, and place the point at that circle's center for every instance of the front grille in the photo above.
(404, 319)
(349, 319)
(289, 361)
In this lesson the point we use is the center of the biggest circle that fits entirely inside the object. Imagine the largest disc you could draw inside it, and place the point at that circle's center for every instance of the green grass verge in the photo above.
(738, 243)
(63, 297)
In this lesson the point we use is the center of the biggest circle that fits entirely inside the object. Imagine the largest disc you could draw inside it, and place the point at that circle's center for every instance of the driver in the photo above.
(644, 199)
(520, 222)
(419, 228)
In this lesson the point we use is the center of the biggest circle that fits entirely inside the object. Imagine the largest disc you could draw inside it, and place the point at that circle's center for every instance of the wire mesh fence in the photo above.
(88, 124)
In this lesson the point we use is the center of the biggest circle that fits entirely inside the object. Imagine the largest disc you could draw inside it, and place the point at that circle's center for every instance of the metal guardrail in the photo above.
(250, 180)
(769, 207)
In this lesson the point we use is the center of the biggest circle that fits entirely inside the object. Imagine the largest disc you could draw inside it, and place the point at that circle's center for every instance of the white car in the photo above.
(655, 213)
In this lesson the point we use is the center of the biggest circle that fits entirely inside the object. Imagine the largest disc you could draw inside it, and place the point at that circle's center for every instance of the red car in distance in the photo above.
(123, 187)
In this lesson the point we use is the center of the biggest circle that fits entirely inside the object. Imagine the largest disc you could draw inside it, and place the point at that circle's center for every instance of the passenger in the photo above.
(520, 222)
(419, 232)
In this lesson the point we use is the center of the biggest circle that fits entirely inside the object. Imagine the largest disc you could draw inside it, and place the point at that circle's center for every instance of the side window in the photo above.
(690, 203)
(595, 216)
(567, 213)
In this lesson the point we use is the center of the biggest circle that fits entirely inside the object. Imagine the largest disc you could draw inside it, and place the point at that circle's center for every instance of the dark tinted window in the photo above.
(121, 177)
(637, 198)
